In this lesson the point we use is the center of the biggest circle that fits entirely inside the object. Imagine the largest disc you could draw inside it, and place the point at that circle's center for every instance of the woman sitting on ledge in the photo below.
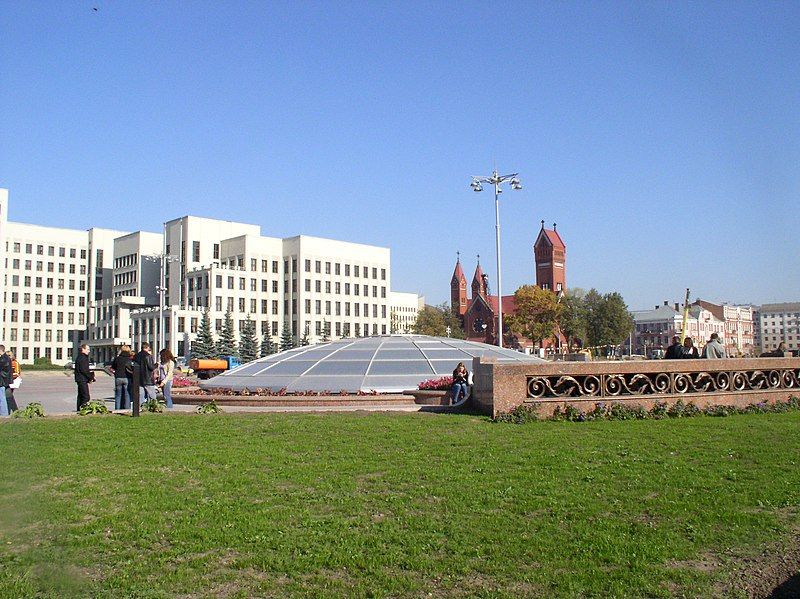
(460, 385)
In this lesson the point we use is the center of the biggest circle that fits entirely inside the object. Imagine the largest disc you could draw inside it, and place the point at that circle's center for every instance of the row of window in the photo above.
(49, 283)
(125, 278)
(51, 250)
(150, 327)
(51, 266)
(47, 298)
(37, 353)
(37, 335)
(128, 260)
(337, 269)
(48, 317)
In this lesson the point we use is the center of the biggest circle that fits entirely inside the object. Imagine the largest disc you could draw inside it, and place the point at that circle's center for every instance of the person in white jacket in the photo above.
(166, 372)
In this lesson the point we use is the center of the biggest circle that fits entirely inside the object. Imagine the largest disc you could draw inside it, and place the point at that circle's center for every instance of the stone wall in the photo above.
(501, 387)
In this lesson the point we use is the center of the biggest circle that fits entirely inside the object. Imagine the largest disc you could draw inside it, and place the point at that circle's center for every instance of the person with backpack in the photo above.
(6, 376)
(16, 382)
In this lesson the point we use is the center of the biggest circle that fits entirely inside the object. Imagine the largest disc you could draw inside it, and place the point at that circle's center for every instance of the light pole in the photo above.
(163, 258)
(497, 180)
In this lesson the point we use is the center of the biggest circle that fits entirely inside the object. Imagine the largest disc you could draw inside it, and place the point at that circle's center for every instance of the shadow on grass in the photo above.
(788, 589)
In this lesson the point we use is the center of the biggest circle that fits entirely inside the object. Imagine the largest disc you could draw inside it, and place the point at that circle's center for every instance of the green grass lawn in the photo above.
(383, 505)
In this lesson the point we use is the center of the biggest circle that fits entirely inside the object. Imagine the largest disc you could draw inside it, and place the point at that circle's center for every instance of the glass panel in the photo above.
(408, 367)
(355, 354)
(339, 367)
(398, 354)
(446, 367)
(295, 367)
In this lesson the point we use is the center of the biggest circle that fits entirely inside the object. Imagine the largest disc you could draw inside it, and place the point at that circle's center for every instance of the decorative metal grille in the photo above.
(660, 383)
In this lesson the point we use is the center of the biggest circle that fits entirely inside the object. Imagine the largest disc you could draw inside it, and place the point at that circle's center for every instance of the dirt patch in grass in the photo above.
(774, 573)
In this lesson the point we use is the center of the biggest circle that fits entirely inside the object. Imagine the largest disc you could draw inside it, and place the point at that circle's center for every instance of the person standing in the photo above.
(675, 350)
(83, 375)
(689, 350)
(714, 348)
(6, 376)
(16, 381)
(460, 382)
(778, 352)
(166, 371)
(147, 386)
(122, 390)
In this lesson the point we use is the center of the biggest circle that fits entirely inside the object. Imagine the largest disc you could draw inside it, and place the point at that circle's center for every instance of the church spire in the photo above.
(458, 289)
(479, 281)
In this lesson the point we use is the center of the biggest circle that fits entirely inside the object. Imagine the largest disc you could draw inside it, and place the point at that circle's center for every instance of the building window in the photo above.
(216, 251)
(196, 251)
(308, 265)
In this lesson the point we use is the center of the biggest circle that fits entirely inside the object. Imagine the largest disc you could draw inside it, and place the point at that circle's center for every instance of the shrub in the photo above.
(441, 384)
(520, 415)
(620, 411)
(659, 410)
(209, 408)
(599, 412)
(573, 414)
(154, 405)
(93, 407)
(42, 361)
(32, 410)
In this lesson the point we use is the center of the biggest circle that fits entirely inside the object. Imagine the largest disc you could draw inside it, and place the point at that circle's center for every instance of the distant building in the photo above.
(51, 278)
(403, 310)
(779, 323)
(738, 337)
(478, 313)
(62, 287)
(654, 329)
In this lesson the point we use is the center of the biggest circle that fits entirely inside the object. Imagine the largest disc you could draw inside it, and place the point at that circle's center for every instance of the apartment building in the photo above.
(654, 329)
(321, 288)
(63, 286)
(51, 277)
(404, 308)
(739, 326)
(779, 323)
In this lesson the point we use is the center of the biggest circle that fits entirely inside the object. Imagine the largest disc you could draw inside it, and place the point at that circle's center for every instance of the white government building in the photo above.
(62, 287)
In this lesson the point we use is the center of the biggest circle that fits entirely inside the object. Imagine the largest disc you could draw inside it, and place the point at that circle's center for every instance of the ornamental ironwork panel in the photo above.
(660, 383)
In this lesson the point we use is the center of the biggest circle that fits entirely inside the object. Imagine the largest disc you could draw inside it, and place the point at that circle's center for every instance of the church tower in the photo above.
(551, 258)
(458, 290)
(479, 282)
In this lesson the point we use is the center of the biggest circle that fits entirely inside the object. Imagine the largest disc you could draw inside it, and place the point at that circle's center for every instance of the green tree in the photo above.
(572, 320)
(326, 331)
(226, 345)
(304, 340)
(608, 321)
(268, 346)
(536, 315)
(287, 341)
(435, 320)
(204, 346)
(248, 342)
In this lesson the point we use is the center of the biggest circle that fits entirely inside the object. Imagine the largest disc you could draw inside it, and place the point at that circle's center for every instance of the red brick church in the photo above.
(479, 314)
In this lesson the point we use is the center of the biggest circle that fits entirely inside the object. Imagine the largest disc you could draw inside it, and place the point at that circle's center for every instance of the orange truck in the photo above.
(210, 367)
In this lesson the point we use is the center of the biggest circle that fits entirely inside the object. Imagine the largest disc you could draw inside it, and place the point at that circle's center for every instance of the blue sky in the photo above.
(663, 138)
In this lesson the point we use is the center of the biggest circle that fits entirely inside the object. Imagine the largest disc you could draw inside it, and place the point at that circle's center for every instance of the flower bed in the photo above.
(441, 384)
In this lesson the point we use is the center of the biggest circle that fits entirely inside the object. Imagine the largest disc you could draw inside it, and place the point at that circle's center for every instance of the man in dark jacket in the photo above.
(6, 376)
(674, 351)
(83, 375)
(147, 386)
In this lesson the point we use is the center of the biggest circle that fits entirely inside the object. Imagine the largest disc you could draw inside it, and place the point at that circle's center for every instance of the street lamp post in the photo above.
(163, 258)
(497, 180)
